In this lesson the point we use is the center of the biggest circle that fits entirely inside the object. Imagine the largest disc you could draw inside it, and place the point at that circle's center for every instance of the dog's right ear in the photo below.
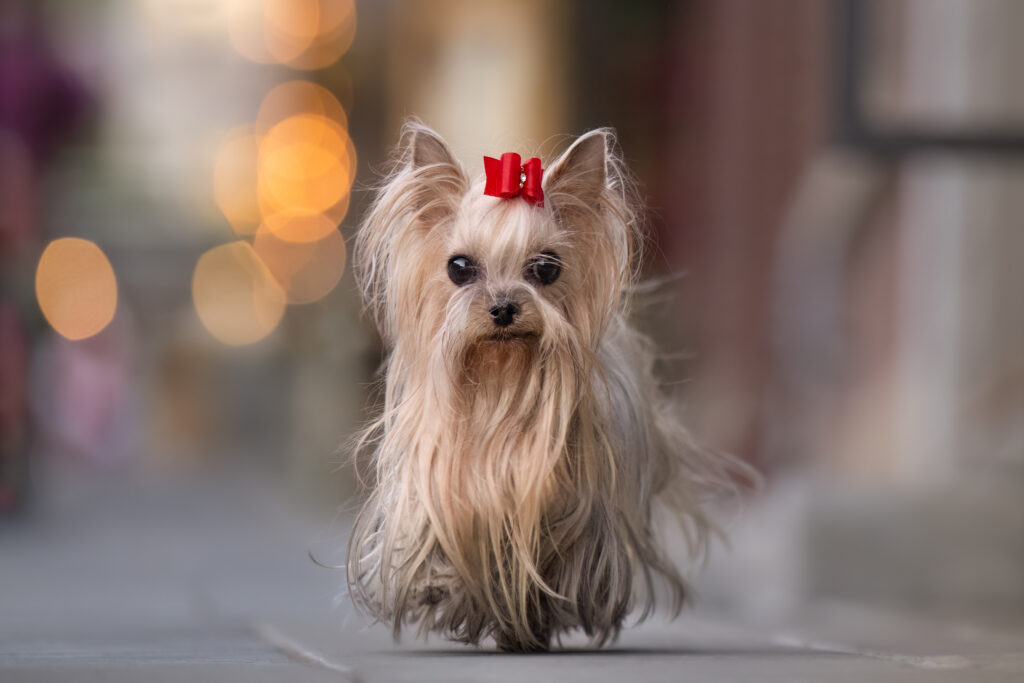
(424, 147)
(422, 192)
(437, 176)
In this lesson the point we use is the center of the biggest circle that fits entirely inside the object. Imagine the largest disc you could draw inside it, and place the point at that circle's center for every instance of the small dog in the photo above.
(524, 443)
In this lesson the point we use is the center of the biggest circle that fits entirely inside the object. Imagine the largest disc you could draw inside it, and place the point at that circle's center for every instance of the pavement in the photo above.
(208, 578)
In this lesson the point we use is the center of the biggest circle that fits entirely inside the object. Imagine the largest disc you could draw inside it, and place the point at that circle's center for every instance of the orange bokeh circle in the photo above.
(302, 34)
(235, 180)
(307, 271)
(305, 170)
(76, 287)
(235, 295)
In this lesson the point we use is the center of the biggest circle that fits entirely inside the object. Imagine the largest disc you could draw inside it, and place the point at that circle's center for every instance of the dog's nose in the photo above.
(504, 314)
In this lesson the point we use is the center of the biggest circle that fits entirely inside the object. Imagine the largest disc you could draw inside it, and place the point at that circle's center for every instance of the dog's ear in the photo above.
(424, 147)
(580, 174)
(422, 192)
(436, 179)
(592, 197)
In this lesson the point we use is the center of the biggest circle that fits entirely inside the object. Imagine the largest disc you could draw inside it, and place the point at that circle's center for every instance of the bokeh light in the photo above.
(285, 181)
(75, 287)
(336, 31)
(292, 171)
(234, 180)
(306, 167)
(236, 297)
(307, 271)
(303, 164)
(268, 32)
(293, 98)
(302, 34)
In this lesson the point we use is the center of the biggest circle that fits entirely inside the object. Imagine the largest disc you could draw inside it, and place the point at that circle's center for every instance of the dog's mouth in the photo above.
(512, 335)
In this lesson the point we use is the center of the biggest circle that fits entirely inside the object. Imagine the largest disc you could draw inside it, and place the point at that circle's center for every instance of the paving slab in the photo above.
(209, 579)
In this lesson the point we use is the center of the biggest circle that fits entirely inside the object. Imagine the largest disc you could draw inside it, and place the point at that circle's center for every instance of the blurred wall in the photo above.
(852, 318)
(489, 76)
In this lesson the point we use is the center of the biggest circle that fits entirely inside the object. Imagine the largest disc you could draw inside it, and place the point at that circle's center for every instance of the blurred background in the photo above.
(182, 355)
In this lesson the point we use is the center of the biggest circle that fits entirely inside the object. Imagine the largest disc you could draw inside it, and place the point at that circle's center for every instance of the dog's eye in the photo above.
(461, 270)
(544, 269)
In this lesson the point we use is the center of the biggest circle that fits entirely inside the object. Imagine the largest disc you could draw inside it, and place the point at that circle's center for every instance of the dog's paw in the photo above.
(513, 643)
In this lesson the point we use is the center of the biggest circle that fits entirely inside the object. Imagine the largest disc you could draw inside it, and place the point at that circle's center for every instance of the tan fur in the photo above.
(515, 479)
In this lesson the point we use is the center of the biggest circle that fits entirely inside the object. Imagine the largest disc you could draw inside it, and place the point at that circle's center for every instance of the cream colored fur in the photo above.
(515, 477)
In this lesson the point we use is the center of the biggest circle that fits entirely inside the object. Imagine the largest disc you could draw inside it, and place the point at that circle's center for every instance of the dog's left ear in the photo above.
(590, 194)
(580, 174)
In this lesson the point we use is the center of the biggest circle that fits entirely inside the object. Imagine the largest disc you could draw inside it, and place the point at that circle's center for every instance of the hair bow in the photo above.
(510, 178)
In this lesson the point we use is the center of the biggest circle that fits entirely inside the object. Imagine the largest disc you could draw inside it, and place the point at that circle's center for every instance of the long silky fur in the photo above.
(514, 482)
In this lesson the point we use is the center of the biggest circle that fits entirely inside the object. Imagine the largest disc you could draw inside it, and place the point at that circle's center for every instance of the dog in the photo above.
(524, 444)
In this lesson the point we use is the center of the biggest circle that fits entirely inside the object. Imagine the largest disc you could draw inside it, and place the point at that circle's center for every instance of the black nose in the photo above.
(504, 314)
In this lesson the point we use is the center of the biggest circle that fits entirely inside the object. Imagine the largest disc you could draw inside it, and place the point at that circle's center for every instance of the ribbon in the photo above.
(509, 177)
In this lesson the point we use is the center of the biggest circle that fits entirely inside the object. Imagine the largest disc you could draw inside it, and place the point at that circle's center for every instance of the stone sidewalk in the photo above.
(209, 579)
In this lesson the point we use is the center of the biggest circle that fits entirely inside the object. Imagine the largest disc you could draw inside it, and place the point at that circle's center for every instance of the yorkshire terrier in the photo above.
(524, 443)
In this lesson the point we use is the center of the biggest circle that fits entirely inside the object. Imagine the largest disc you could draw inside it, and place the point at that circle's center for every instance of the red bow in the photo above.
(510, 178)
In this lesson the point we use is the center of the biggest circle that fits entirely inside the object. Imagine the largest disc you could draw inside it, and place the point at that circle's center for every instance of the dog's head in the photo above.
(447, 268)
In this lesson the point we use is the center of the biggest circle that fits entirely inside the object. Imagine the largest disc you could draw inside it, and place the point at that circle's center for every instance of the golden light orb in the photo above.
(293, 98)
(302, 34)
(307, 271)
(76, 287)
(306, 168)
(237, 298)
(235, 180)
